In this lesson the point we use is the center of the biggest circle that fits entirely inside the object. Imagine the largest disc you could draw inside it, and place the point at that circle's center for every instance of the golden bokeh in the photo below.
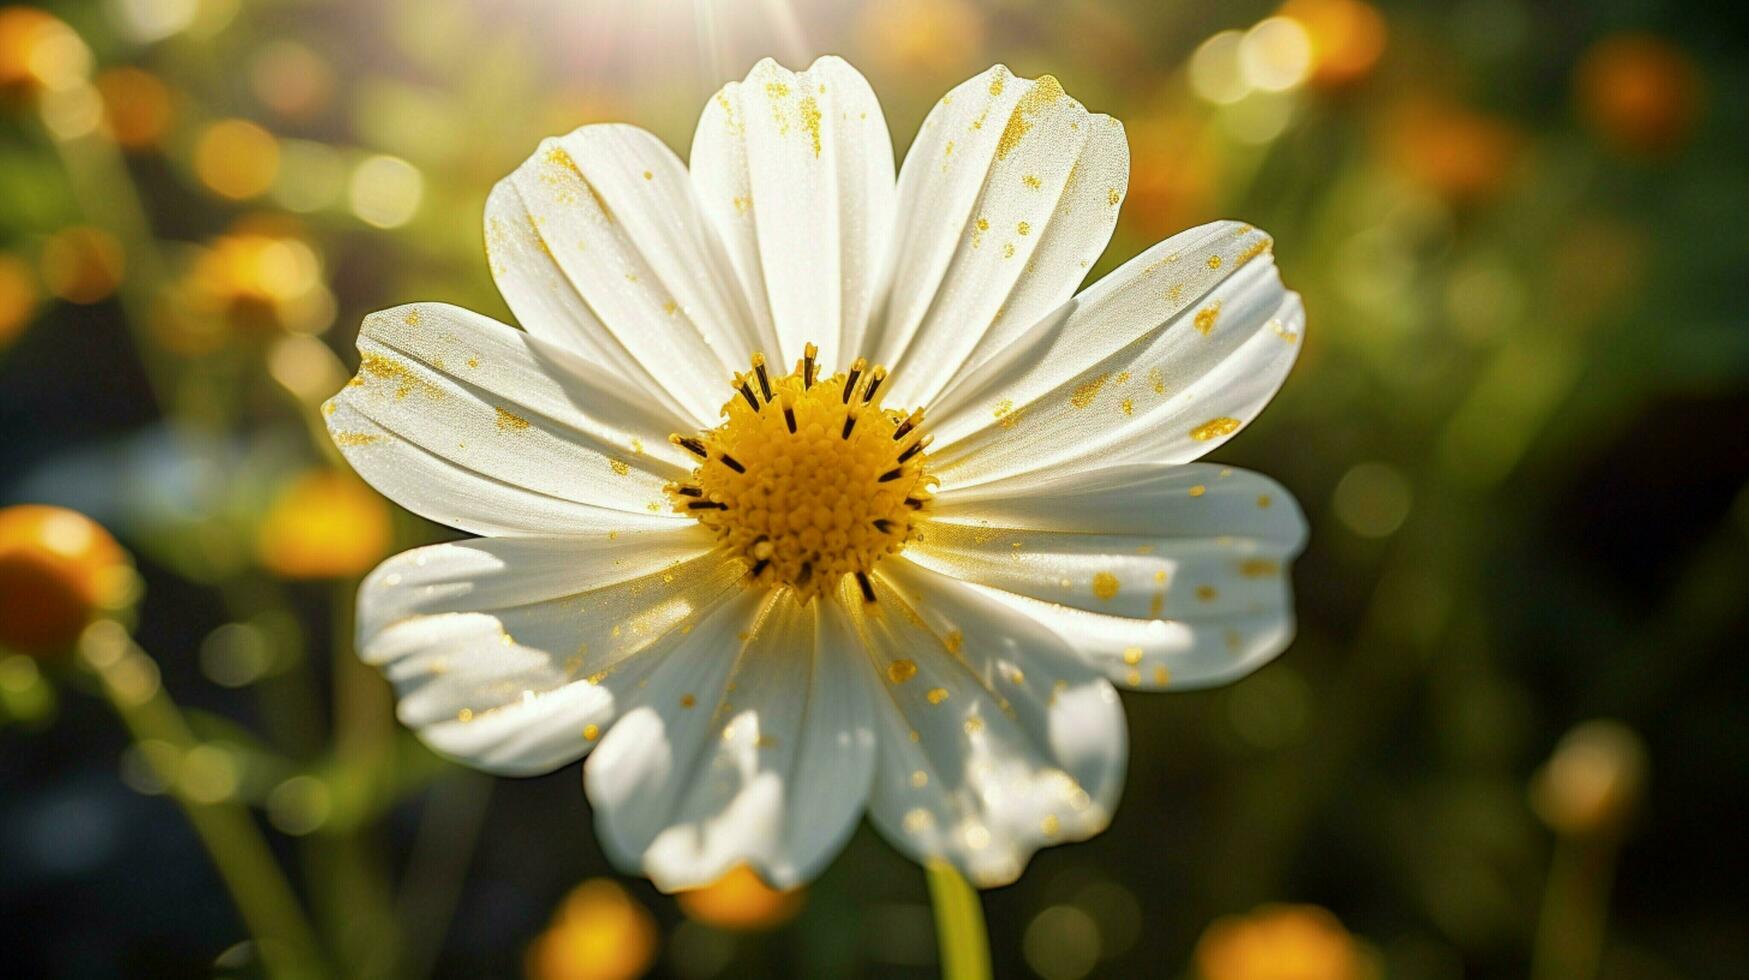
(39, 51)
(237, 159)
(598, 933)
(741, 901)
(82, 265)
(324, 524)
(137, 107)
(1640, 94)
(18, 298)
(1347, 39)
(1282, 942)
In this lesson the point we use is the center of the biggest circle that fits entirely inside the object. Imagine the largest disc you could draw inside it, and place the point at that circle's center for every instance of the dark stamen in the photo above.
(691, 445)
(874, 383)
(849, 423)
(747, 393)
(850, 381)
(891, 475)
(691, 492)
(759, 566)
(913, 503)
(868, 594)
(916, 448)
(789, 418)
(732, 463)
(706, 505)
(904, 427)
(808, 354)
(883, 525)
(807, 573)
(764, 381)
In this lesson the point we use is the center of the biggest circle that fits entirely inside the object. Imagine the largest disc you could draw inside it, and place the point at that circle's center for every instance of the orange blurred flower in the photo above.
(1348, 38)
(17, 298)
(599, 933)
(1460, 154)
(324, 524)
(82, 264)
(58, 570)
(136, 107)
(1639, 93)
(260, 281)
(1282, 942)
(741, 901)
(38, 51)
(1173, 173)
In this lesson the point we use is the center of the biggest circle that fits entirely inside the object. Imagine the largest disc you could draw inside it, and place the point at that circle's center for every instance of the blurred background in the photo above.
(1510, 739)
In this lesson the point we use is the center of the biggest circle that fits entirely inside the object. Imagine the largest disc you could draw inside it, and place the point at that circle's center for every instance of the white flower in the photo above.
(838, 607)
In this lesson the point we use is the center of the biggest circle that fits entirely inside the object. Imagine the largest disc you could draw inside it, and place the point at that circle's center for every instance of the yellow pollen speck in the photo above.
(473, 362)
(1198, 490)
(1215, 428)
(919, 779)
(1214, 261)
(1044, 92)
(974, 725)
(508, 421)
(998, 78)
(1133, 678)
(1157, 381)
(1206, 593)
(917, 820)
(619, 467)
(687, 700)
(1132, 655)
(1025, 228)
(1006, 413)
(1105, 586)
(591, 732)
(406, 381)
(1128, 406)
(1112, 197)
(649, 176)
(1162, 676)
(811, 122)
(1257, 248)
(900, 671)
(1205, 317)
(1050, 825)
(742, 203)
(1263, 500)
(1258, 568)
(937, 695)
(1008, 250)
(954, 640)
(670, 307)
(1032, 181)
(355, 438)
(1086, 391)
(465, 715)
(412, 318)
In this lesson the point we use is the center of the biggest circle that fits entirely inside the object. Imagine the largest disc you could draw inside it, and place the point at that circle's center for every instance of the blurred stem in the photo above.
(1570, 929)
(263, 897)
(449, 827)
(959, 924)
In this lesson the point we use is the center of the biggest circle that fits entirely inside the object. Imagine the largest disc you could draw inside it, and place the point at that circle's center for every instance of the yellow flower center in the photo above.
(809, 479)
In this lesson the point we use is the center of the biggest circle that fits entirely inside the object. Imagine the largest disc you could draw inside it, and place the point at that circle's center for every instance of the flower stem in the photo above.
(265, 901)
(959, 924)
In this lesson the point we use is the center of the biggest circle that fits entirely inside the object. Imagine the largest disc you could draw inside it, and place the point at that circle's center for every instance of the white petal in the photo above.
(795, 171)
(995, 739)
(477, 425)
(1008, 195)
(1161, 361)
(756, 751)
(597, 243)
(1159, 575)
(513, 654)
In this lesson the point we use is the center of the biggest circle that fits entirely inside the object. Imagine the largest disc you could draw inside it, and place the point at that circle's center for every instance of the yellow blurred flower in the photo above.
(18, 297)
(1460, 154)
(324, 524)
(58, 570)
(38, 51)
(920, 35)
(1282, 942)
(1592, 783)
(137, 107)
(82, 265)
(599, 933)
(1639, 93)
(237, 159)
(741, 901)
(259, 280)
(1347, 39)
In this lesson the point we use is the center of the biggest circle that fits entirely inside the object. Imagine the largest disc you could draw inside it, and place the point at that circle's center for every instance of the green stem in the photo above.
(266, 902)
(959, 924)
(1575, 911)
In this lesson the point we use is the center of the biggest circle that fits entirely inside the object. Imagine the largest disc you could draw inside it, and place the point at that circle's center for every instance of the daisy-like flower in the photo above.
(806, 490)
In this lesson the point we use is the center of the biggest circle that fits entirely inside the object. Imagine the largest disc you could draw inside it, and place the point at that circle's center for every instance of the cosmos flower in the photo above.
(806, 490)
